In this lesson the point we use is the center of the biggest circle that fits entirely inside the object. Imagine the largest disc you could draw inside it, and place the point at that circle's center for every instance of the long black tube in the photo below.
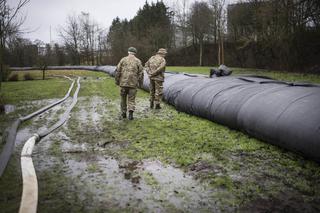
(12, 131)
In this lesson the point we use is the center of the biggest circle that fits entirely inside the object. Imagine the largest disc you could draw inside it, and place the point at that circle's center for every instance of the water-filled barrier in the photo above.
(280, 113)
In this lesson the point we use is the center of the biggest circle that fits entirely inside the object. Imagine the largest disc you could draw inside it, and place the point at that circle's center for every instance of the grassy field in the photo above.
(52, 87)
(284, 76)
(241, 173)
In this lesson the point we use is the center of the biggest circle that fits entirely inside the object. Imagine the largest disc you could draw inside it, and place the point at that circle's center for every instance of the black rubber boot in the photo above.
(151, 105)
(124, 115)
(130, 115)
(158, 106)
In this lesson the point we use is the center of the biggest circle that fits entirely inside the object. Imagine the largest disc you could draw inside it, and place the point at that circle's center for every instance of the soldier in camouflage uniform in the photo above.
(128, 76)
(155, 68)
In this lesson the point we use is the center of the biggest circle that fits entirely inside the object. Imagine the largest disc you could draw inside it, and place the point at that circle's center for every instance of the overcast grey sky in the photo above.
(41, 14)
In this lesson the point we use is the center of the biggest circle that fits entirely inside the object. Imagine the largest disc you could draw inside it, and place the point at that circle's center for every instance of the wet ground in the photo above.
(84, 167)
(103, 180)
(94, 179)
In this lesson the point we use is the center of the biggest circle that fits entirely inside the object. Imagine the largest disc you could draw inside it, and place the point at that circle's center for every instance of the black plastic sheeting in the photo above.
(281, 113)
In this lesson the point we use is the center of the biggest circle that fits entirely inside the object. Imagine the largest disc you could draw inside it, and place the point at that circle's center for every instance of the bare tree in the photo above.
(10, 24)
(219, 22)
(82, 38)
(101, 45)
(89, 37)
(85, 36)
(181, 13)
(71, 37)
(200, 21)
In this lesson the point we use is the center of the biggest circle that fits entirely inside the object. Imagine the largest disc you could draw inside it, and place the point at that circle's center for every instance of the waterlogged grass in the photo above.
(15, 92)
(239, 169)
(11, 187)
(92, 84)
(279, 75)
(180, 138)
(149, 179)
(92, 168)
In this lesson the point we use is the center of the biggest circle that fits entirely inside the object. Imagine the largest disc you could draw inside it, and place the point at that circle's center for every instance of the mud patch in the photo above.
(250, 184)
(145, 186)
(179, 188)
(91, 110)
(203, 168)
(118, 183)
(282, 202)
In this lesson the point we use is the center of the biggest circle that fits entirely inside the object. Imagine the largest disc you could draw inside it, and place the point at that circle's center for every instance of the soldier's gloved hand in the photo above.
(117, 83)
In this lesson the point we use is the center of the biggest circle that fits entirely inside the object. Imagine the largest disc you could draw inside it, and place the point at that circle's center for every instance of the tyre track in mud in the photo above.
(29, 198)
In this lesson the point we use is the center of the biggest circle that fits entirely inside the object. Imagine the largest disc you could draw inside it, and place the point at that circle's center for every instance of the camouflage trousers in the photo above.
(156, 91)
(128, 97)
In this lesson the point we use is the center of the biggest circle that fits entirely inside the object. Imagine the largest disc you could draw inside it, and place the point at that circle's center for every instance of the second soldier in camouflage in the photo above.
(155, 68)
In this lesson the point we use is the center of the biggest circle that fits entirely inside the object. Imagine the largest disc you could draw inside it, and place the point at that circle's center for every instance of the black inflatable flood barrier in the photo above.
(280, 113)
(107, 69)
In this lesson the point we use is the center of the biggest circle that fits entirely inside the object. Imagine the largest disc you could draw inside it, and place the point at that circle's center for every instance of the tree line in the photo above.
(149, 30)
(267, 34)
(83, 42)
(275, 34)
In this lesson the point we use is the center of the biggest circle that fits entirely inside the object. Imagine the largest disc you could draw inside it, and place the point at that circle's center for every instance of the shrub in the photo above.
(27, 77)
(14, 77)
(6, 72)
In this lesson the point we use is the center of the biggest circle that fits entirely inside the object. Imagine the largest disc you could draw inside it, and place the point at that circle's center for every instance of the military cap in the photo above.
(162, 51)
(132, 50)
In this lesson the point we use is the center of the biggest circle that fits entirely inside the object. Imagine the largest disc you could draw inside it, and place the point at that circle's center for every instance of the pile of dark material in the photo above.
(222, 70)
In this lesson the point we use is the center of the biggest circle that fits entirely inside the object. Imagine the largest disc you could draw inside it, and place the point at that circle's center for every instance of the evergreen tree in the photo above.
(149, 30)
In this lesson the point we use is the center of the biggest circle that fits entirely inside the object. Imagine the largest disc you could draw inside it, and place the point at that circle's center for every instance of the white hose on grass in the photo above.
(29, 200)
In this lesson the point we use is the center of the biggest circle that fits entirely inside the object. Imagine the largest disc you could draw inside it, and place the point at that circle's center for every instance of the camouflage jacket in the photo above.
(155, 67)
(129, 72)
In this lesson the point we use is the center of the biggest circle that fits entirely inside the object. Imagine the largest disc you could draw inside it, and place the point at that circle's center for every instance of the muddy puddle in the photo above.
(91, 110)
(41, 122)
(147, 186)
